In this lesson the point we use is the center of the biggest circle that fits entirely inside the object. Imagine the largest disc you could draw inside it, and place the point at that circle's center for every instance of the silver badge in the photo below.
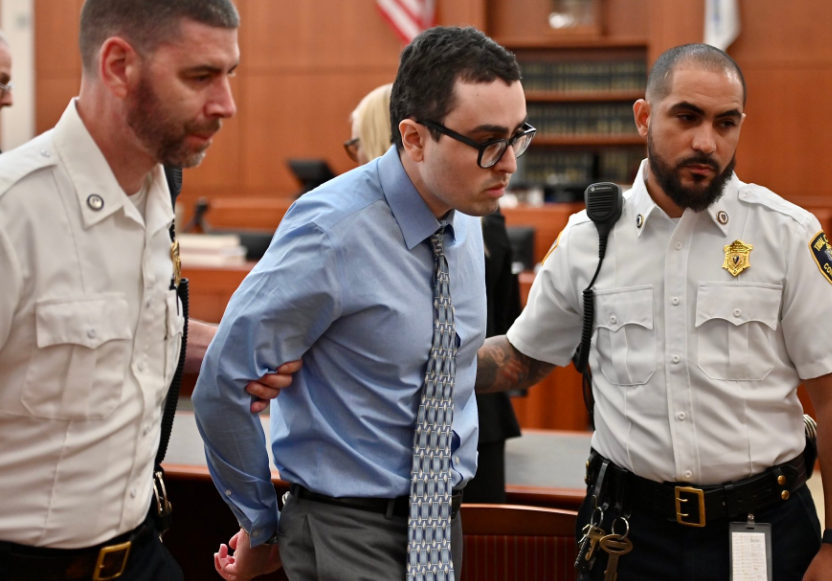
(95, 202)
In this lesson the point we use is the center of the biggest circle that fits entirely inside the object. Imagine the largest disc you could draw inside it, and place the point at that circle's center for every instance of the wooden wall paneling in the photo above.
(56, 38)
(57, 58)
(53, 95)
(299, 115)
(784, 144)
(527, 22)
(556, 403)
(211, 288)
(627, 19)
(786, 56)
(463, 13)
(673, 23)
(336, 35)
(784, 33)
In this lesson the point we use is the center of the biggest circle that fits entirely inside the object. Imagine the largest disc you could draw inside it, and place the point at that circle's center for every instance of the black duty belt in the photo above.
(100, 563)
(694, 505)
(389, 507)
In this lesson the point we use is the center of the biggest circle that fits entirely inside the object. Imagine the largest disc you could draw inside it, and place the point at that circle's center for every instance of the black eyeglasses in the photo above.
(491, 152)
(352, 148)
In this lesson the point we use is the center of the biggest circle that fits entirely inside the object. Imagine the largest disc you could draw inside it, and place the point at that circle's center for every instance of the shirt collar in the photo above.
(99, 193)
(412, 214)
(719, 210)
(644, 206)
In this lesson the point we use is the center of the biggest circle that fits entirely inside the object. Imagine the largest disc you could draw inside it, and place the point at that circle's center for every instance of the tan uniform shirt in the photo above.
(89, 339)
(695, 370)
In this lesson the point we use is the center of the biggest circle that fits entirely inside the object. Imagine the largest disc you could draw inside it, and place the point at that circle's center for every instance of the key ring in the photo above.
(626, 524)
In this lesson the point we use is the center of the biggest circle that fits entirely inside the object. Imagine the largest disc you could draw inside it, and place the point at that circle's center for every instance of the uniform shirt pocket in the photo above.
(77, 370)
(736, 325)
(173, 337)
(625, 339)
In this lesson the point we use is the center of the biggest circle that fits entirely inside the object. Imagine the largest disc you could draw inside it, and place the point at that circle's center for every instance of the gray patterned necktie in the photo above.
(429, 524)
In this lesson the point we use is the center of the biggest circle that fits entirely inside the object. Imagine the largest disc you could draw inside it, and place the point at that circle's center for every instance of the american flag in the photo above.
(408, 17)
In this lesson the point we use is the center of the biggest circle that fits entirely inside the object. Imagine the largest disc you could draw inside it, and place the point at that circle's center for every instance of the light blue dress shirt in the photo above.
(346, 286)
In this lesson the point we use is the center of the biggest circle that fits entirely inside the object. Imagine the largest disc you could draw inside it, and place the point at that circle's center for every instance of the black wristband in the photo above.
(827, 536)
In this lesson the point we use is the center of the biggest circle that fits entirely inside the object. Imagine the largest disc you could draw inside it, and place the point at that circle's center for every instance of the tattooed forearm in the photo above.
(501, 367)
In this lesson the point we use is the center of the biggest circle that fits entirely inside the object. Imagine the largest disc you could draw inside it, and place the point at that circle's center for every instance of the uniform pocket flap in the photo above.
(87, 321)
(739, 303)
(624, 306)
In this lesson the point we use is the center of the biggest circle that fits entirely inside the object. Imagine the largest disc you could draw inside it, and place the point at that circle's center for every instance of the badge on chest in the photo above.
(737, 257)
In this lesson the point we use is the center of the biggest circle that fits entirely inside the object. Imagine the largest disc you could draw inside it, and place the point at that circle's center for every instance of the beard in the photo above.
(698, 196)
(161, 132)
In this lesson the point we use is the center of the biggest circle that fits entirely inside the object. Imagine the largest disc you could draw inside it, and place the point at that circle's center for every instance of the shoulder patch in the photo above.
(822, 253)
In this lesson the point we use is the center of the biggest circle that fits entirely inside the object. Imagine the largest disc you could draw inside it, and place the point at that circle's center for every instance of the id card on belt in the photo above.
(750, 544)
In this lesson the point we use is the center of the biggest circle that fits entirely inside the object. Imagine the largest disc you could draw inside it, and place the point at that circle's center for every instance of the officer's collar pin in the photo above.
(722, 217)
(639, 221)
(95, 202)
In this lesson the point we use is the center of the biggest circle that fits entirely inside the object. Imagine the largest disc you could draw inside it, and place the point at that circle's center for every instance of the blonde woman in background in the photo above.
(371, 138)
(371, 134)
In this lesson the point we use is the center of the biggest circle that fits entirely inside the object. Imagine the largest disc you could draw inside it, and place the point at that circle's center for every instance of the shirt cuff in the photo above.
(261, 533)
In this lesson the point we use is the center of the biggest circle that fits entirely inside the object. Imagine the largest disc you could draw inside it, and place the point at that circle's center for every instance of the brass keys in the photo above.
(615, 546)
(586, 549)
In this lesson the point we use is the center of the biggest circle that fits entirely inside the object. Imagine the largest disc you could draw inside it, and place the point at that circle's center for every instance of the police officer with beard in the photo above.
(90, 323)
(710, 308)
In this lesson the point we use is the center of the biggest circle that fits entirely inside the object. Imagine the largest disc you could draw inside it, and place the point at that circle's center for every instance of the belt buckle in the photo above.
(102, 565)
(680, 516)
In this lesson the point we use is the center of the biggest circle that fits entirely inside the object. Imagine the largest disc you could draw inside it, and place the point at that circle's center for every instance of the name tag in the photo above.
(750, 544)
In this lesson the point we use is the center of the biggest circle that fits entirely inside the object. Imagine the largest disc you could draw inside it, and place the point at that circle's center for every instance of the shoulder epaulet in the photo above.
(26, 159)
(579, 217)
(754, 194)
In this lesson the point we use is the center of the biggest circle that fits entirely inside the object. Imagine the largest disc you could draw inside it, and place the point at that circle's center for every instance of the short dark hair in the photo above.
(704, 55)
(146, 23)
(430, 66)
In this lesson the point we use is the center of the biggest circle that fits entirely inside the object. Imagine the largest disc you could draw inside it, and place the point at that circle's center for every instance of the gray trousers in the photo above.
(323, 542)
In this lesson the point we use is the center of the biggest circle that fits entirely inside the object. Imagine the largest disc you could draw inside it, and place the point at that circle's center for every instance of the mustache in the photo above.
(700, 160)
(210, 126)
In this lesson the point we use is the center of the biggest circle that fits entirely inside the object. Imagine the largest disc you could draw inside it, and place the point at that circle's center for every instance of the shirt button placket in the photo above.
(677, 339)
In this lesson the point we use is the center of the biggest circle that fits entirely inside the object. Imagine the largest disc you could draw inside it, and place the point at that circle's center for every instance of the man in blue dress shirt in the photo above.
(347, 285)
